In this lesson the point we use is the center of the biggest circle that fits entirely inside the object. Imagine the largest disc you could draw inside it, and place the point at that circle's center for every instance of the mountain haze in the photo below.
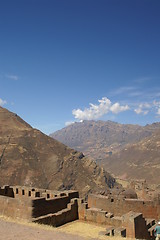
(29, 157)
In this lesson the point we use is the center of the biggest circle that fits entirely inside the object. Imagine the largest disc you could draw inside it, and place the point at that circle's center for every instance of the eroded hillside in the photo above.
(137, 161)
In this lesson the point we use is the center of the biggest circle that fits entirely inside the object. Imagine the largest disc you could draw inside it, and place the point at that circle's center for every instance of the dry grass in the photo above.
(88, 230)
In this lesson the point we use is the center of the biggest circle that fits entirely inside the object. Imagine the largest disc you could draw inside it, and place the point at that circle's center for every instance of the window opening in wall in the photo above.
(29, 193)
(62, 194)
(22, 191)
(37, 194)
(48, 196)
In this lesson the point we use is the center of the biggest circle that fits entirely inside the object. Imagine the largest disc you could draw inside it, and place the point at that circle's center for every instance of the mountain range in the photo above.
(125, 150)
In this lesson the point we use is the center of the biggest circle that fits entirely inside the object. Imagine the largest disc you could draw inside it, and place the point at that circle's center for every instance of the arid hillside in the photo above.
(99, 139)
(125, 150)
(29, 157)
(140, 160)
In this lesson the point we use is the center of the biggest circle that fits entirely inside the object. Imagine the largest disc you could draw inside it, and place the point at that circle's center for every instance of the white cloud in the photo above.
(68, 123)
(143, 108)
(97, 111)
(116, 108)
(2, 102)
(140, 111)
(12, 77)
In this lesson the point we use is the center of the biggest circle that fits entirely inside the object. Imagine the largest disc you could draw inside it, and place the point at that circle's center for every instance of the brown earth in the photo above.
(10, 230)
(30, 158)
(16, 231)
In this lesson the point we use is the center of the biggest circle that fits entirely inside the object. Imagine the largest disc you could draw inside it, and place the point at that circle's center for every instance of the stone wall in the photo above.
(56, 208)
(61, 217)
(44, 206)
(134, 224)
(20, 191)
(16, 208)
(149, 209)
(97, 215)
(31, 203)
(7, 191)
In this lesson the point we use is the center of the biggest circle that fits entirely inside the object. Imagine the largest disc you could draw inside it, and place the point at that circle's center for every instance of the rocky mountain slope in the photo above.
(119, 148)
(140, 160)
(99, 139)
(29, 157)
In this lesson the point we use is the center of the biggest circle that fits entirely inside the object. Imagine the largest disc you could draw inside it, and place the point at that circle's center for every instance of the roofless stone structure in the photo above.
(123, 217)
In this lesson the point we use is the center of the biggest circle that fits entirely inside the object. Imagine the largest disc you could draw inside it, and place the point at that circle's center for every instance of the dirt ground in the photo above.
(13, 230)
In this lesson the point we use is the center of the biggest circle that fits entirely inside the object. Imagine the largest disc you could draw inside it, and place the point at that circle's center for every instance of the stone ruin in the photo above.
(126, 217)
(39, 205)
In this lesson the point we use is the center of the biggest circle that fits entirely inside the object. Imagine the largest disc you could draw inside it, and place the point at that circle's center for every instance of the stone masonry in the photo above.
(39, 205)
(123, 217)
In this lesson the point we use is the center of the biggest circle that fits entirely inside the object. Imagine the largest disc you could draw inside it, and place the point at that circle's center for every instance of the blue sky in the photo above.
(69, 60)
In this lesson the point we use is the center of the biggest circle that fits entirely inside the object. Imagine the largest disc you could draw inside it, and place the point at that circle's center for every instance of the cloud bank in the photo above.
(96, 111)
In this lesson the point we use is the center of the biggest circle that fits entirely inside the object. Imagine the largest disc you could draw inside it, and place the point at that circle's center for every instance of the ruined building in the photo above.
(122, 216)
